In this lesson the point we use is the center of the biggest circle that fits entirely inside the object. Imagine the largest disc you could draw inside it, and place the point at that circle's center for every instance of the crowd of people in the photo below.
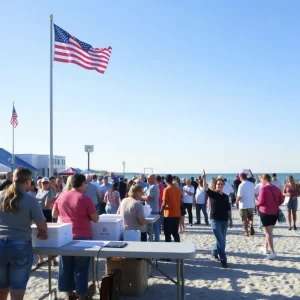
(80, 199)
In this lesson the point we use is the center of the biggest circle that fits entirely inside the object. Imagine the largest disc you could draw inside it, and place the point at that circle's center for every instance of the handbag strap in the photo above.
(273, 197)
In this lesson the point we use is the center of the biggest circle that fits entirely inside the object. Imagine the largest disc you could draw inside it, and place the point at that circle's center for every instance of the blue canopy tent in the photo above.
(6, 157)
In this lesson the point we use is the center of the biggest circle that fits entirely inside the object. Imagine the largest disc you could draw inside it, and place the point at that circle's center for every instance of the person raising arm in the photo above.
(220, 213)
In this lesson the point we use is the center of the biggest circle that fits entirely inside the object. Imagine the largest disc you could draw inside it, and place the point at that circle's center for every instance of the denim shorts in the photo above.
(293, 205)
(15, 264)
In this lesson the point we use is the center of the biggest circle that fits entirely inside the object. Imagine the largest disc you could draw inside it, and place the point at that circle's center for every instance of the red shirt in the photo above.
(74, 207)
(267, 203)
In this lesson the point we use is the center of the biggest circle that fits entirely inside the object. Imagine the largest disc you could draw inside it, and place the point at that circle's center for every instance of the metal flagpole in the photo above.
(51, 97)
(13, 144)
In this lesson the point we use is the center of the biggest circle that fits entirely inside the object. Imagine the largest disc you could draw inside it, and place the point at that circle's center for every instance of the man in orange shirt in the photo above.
(171, 208)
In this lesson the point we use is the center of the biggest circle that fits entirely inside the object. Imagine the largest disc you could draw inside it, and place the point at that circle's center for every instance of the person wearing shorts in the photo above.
(269, 200)
(268, 220)
(245, 199)
(291, 190)
(18, 210)
(246, 214)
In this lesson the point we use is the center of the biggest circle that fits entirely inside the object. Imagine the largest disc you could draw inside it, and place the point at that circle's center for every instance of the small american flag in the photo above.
(69, 49)
(14, 118)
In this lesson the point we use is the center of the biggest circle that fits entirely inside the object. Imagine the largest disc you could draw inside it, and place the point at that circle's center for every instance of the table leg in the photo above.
(94, 270)
(150, 240)
(179, 290)
(151, 232)
(49, 277)
(182, 277)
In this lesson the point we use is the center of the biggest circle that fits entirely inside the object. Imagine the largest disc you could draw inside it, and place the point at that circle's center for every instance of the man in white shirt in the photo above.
(227, 189)
(275, 181)
(188, 199)
(245, 198)
(200, 203)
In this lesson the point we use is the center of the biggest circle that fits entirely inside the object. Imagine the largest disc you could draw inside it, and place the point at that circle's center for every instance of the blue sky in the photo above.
(190, 84)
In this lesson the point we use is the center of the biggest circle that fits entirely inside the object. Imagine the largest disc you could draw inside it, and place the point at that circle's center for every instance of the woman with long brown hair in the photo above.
(18, 210)
(291, 190)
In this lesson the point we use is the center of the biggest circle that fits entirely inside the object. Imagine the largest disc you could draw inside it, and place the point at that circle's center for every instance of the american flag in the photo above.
(14, 118)
(69, 49)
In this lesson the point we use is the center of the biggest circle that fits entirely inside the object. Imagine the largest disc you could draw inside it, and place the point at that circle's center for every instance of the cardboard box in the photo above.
(59, 234)
(108, 229)
(134, 274)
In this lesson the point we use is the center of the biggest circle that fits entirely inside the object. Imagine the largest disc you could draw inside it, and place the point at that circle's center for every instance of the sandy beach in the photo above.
(250, 275)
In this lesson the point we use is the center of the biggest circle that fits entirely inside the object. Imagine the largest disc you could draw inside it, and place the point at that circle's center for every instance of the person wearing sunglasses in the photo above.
(220, 213)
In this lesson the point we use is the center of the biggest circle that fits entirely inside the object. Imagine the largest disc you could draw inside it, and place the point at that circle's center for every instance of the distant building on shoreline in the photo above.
(42, 163)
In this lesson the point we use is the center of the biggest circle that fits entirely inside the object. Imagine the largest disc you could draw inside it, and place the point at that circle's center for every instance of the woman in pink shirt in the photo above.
(76, 208)
(269, 200)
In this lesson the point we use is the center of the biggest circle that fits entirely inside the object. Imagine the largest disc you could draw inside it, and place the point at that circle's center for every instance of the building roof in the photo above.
(5, 158)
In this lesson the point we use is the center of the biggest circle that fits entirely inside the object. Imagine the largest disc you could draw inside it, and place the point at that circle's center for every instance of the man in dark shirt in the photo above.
(220, 214)
(122, 188)
(194, 184)
(251, 177)
(7, 182)
(236, 183)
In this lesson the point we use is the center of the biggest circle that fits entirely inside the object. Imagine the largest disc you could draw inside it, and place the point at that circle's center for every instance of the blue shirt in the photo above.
(144, 184)
(92, 192)
(153, 192)
(104, 188)
(116, 179)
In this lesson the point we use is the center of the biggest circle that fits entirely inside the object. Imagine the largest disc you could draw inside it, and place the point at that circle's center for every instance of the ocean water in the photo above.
(230, 176)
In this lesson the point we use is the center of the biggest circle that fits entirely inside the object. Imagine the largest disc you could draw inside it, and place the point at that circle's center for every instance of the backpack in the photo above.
(111, 286)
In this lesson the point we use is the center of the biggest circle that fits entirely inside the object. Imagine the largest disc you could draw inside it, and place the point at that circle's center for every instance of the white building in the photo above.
(42, 163)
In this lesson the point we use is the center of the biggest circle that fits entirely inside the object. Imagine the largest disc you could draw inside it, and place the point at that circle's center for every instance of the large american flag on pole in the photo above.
(14, 118)
(68, 49)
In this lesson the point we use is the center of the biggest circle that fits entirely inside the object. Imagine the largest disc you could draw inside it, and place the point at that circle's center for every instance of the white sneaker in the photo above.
(264, 250)
(271, 256)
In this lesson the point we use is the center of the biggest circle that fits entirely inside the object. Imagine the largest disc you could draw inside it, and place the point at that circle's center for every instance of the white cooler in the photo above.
(110, 216)
(108, 229)
(59, 234)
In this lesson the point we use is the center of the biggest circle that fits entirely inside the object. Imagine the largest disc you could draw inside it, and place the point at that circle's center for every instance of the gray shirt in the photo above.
(42, 196)
(92, 192)
(153, 192)
(18, 226)
(131, 210)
